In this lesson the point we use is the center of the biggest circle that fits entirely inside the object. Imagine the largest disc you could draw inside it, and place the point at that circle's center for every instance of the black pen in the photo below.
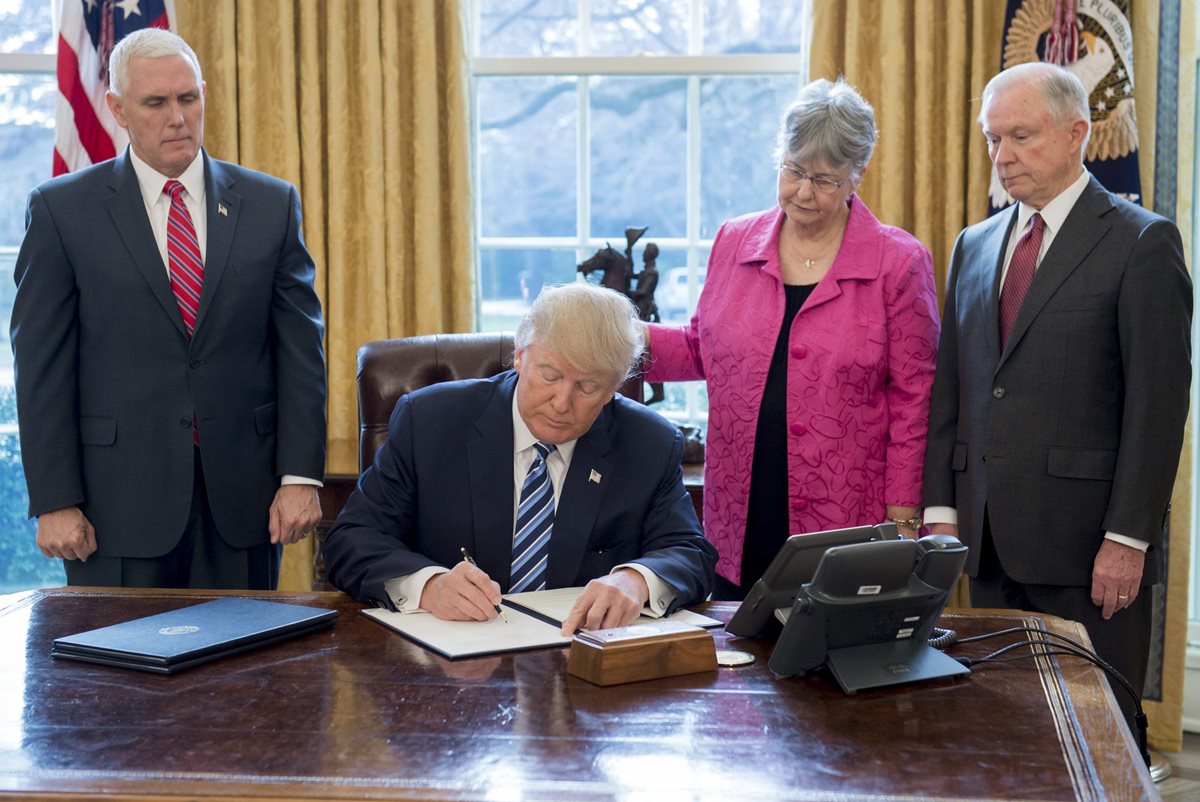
(467, 556)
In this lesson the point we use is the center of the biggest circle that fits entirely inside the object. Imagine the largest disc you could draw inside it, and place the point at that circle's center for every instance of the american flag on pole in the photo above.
(84, 130)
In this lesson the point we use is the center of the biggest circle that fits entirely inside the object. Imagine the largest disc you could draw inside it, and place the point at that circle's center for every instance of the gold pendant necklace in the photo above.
(808, 263)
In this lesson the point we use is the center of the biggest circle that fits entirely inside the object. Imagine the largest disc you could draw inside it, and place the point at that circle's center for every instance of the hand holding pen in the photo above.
(464, 593)
(470, 561)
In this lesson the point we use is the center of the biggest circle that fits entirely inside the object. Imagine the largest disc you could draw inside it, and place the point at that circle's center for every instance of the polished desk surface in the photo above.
(358, 712)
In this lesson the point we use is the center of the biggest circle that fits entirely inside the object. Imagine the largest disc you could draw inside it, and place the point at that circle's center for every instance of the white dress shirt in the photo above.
(1054, 215)
(405, 592)
(158, 203)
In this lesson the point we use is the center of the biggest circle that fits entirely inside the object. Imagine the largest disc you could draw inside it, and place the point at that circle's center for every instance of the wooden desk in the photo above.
(357, 712)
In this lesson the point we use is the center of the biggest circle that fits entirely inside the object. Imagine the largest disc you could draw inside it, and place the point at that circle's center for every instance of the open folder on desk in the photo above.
(534, 622)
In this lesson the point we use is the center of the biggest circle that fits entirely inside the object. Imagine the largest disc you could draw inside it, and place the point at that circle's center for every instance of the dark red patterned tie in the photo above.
(183, 256)
(1020, 276)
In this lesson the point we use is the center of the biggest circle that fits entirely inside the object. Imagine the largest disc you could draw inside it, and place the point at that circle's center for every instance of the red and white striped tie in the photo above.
(183, 256)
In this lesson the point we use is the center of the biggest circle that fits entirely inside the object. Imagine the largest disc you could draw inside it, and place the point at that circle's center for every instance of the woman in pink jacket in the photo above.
(816, 333)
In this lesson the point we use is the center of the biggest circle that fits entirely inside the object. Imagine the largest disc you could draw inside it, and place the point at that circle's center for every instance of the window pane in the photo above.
(678, 291)
(509, 280)
(739, 118)
(22, 566)
(8, 403)
(643, 169)
(527, 156)
(639, 156)
(26, 26)
(636, 27)
(26, 146)
(678, 397)
(528, 28)
(8, 291)
(753, 26)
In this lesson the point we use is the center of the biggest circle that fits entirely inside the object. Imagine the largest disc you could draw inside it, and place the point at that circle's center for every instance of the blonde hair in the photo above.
(594, 328)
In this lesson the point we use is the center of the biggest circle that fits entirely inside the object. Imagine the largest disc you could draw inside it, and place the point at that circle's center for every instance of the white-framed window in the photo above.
(28, 92)
(593, 116)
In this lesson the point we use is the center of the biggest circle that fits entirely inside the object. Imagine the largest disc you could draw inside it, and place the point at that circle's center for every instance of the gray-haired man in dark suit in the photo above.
(1062, 380)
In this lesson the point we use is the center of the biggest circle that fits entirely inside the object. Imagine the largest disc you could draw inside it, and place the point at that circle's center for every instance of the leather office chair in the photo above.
(387, 369)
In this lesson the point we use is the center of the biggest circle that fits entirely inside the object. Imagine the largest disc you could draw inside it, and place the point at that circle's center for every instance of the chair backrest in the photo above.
(387, 369)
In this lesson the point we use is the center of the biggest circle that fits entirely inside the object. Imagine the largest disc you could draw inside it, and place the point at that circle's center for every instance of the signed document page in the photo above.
(455, 639)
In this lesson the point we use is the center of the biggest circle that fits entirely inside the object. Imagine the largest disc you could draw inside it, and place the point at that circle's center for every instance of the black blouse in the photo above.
(767, 515)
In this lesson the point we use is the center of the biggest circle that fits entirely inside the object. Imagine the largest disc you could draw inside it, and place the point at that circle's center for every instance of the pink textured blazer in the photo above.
(862, 354)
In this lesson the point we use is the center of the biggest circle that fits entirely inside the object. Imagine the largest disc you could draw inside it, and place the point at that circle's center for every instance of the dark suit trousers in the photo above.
(1122, 641)
(201, 559)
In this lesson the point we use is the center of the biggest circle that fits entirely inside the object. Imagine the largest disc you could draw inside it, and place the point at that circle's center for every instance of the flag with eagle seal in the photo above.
(1093, 39)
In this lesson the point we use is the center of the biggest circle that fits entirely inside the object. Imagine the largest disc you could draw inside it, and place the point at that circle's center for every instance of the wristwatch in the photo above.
(912, 523)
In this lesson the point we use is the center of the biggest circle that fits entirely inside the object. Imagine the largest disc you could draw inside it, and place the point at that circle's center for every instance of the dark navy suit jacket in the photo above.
(108, 381)
(444, 480)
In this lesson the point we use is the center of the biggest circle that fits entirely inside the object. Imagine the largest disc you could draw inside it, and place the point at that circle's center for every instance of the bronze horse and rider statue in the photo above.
(616, 273)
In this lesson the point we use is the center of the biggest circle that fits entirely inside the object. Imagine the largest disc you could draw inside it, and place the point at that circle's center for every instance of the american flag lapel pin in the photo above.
(221, 210)
(594, 476)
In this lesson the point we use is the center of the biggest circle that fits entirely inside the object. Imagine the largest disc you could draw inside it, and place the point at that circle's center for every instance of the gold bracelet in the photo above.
(911, 523)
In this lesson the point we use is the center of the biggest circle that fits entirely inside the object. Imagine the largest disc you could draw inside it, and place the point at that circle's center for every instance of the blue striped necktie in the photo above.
(535, 520)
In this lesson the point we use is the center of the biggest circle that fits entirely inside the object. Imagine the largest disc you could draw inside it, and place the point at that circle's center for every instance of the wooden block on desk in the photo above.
(641, 652)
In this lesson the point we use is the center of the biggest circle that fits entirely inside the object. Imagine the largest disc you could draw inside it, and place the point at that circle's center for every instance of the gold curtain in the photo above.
(923, 65)
(363, 106)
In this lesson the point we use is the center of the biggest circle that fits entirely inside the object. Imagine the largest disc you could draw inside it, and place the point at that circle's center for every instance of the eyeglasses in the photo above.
(794, 175)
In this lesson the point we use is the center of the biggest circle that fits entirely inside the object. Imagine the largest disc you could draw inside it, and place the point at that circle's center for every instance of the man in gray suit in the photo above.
(169, 367)
(1062, 380)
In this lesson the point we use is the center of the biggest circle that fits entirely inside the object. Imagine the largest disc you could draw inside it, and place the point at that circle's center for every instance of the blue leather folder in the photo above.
(190, 636)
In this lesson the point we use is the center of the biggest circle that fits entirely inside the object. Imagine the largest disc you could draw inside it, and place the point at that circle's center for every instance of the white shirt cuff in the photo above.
(290, 479)
(405, 591)
(940, 515)
(1125, 540)
(661, 594)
